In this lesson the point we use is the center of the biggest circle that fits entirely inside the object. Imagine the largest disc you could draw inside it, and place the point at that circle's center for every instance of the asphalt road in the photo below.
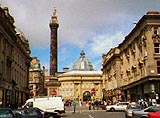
(84, 112)
(94, 114)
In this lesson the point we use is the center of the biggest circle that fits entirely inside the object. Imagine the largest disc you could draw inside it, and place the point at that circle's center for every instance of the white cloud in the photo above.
(97, 64)
(79, 20)
(63, 53)
(102, 43)
(82, 23)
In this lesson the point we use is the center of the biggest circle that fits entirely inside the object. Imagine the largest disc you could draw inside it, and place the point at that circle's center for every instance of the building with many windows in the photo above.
(36, 78)
(82, 82)
(132, 69)
(14, 62)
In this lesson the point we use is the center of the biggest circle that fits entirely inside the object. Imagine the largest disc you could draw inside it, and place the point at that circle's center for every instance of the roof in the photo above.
(82, 73)
(83, 63)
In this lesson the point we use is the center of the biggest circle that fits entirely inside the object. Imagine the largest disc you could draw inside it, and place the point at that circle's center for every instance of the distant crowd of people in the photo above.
(95, 105)
(101, 104)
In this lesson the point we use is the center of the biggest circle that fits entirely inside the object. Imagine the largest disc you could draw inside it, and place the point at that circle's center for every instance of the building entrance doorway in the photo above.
(86, 96)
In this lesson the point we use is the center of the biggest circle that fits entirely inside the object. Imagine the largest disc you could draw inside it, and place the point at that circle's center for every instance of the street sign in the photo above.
(54, 93)
(93, 91)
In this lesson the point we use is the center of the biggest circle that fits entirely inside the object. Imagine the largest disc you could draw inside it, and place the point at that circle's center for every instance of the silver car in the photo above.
(131, 107)
(120, 106)
(144, 113)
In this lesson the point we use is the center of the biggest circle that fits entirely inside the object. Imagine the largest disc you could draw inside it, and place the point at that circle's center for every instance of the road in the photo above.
(84, 112)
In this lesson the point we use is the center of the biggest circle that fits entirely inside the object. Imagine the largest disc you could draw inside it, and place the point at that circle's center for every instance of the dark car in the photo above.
(6, 113)
(34, 113)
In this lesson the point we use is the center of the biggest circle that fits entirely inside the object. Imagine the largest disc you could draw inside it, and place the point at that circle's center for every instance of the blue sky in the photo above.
(93, 26)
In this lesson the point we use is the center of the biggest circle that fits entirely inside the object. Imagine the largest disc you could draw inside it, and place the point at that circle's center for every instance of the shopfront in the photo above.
(146, 89)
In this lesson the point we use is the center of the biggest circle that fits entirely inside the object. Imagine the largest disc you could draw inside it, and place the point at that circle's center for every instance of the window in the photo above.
(157, 48)
(158, 67)
(82, 65)
(127, 54)
(133, 49)
(156, 30)
(29, 104)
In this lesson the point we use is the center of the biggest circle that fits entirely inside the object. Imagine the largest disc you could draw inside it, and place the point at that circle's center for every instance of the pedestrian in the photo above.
(74, 106)
(93, 104)
(145, 103)
(142, 104)
(150, 101)
(80, 103)
(97, 103)
(90, 105)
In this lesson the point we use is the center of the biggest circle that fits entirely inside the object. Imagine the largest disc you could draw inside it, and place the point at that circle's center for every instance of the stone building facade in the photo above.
(82, 82)
(36, 78)
(132, 69)
(14, 62)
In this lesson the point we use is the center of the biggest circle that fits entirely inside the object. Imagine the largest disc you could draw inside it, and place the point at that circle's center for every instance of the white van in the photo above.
(46, 103)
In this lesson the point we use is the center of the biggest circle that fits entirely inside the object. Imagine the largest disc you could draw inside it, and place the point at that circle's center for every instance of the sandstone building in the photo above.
(132, 69)
(36, 78)
(14, 62)
(82, 82)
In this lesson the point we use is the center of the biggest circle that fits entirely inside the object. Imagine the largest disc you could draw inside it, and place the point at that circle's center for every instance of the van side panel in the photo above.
(50, 104)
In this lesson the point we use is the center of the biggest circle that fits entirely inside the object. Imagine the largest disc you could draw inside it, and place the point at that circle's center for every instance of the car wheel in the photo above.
(112, 109)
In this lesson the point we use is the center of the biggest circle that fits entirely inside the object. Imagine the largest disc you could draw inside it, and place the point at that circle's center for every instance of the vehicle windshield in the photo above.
(6, 114)
(152, 109)
(134, 107)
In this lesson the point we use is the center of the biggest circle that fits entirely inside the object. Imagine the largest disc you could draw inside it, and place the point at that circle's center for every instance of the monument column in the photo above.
(53, 44)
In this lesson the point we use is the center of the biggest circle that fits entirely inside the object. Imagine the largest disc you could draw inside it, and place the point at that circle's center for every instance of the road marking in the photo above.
(91, 116)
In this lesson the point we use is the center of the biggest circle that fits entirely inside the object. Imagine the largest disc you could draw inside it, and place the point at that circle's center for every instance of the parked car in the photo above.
(144, 113)
(154, 114)
(34, 113)
(7, 113)
(120, 106)
(131, 107)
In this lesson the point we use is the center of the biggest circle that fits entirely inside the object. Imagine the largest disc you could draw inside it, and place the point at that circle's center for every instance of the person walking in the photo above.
(80, 103)
(96, 103)
(74, 106)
